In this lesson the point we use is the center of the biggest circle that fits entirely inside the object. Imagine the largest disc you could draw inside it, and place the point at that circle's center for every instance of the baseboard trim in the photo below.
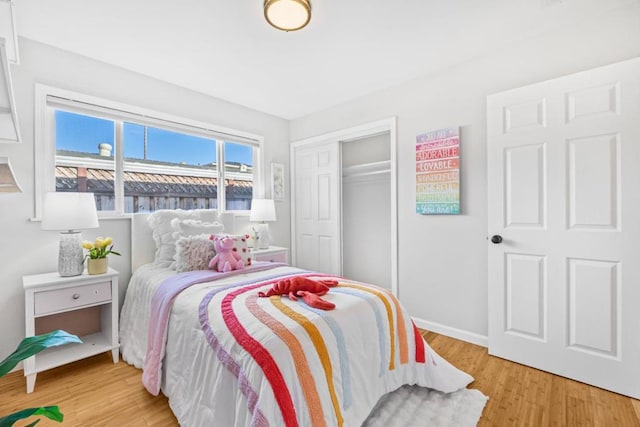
(449, 331)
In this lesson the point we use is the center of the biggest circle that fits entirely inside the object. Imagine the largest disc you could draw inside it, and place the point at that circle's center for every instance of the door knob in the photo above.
(496, 238)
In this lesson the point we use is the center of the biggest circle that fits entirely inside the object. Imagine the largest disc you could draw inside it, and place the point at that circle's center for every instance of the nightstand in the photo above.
(272, 254)
(85, 305)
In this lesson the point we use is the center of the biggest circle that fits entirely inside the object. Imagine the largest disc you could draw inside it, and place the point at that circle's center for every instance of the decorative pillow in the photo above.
(241, 247)
(192, 227)
(163, 233)
(193, 253)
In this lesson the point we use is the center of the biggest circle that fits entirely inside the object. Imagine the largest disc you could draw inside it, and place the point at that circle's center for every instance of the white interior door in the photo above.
(564, 195)
(316, 207)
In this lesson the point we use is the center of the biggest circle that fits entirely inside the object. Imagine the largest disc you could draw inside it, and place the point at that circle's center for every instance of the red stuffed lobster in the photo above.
(307, 289)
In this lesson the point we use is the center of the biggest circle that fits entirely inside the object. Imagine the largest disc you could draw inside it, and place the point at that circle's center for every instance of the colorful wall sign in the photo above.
(438, 172)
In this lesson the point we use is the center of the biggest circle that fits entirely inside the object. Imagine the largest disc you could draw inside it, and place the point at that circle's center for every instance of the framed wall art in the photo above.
(277, 182)
(438, 172)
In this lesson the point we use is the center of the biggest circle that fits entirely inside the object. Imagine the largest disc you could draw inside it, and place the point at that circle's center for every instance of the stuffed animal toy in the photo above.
(307, 289)
(226, 259)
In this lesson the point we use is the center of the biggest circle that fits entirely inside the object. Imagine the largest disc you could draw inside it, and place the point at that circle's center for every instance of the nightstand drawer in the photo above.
(46, 302)
(276, 257)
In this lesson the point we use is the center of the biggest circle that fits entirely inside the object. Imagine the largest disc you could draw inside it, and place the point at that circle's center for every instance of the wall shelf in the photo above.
(8, 30)
(9, 129)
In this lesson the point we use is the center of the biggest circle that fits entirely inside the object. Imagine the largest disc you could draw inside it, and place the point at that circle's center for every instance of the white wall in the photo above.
(443, 259)
(24, 247)
(365, 150)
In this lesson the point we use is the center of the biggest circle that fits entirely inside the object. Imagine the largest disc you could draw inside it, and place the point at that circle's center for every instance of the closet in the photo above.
(344, 213)
(366, 210)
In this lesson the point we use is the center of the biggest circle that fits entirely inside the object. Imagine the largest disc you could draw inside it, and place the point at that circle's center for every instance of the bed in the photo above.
(226, 357)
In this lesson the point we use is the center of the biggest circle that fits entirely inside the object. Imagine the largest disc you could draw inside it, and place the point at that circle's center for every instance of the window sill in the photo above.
(129, 216)
(107, 217)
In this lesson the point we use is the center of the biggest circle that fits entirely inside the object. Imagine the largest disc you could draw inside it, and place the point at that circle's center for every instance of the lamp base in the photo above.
(70, 254)
(264, 239)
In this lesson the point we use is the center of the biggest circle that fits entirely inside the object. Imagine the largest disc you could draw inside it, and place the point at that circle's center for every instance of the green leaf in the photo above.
(51, 412)
(33, 345)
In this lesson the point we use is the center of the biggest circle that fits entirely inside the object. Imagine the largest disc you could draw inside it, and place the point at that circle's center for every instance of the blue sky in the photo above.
(76, 132)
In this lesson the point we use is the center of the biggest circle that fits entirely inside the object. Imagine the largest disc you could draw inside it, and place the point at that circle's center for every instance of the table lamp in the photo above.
(69, 212)
(262, 210)
(8, 182)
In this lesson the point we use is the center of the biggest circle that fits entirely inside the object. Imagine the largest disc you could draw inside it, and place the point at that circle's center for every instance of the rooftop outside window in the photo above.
(161, 169)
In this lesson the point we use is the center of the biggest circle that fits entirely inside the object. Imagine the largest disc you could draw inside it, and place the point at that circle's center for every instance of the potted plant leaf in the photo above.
(27, 348)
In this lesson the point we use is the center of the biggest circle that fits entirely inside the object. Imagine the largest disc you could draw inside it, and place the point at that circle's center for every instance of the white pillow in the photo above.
(163, 233)
(193, 253)
(192, 227)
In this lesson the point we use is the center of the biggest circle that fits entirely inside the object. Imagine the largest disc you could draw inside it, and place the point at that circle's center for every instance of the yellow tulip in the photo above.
(108, 241)
(99, 242)
(87, 244)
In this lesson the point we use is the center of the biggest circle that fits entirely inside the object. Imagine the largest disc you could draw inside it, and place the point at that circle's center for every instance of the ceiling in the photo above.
(224, 48)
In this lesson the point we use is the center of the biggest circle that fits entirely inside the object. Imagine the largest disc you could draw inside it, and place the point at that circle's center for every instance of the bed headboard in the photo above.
(143, 248)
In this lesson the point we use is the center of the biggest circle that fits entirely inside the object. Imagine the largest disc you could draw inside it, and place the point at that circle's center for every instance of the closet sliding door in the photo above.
(366, 210)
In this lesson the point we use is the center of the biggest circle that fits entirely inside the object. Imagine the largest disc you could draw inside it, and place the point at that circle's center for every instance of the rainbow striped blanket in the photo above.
(299, 366)
(161, 305)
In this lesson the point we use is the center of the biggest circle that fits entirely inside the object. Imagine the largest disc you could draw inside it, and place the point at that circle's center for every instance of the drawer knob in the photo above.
(76, 296)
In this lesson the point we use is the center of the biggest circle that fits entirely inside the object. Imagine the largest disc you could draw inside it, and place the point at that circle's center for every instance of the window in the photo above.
(81, 166)
(136, 161)
(168, 170)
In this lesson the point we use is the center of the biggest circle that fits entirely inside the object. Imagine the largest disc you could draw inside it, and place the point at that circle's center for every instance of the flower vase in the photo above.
(97, 266)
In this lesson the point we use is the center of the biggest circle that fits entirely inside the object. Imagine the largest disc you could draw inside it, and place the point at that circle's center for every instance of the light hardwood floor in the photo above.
(95, 392)
(523, 396)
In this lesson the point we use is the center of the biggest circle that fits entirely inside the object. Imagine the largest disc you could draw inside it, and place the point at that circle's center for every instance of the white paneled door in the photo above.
(564, 224)
(317, 207)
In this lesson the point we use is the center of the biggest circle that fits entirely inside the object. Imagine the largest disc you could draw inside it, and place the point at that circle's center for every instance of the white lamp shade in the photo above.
(69, 211)
(8, 183)
(262, 210)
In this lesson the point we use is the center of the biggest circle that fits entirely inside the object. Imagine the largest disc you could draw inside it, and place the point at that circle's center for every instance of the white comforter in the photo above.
(203, 392)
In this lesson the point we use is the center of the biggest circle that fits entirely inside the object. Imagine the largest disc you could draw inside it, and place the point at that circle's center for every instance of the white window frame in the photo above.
(45, 151)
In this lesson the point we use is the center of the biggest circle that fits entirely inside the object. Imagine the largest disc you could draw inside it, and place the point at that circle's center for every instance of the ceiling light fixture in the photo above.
(287, 15)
